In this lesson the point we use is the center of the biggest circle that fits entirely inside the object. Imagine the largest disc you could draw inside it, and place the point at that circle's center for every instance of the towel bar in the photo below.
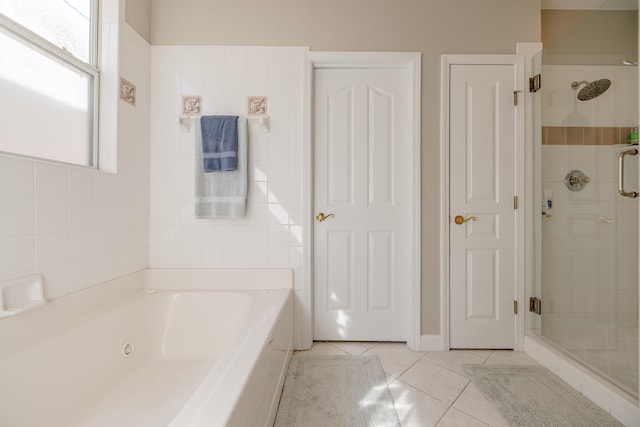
(264, 122)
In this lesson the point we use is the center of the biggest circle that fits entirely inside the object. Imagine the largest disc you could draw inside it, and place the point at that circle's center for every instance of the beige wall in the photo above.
(433, 27)
(581, 37)
(138, 16)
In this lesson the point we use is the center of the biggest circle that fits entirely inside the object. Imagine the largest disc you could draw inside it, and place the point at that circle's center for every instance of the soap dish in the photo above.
(20, 294)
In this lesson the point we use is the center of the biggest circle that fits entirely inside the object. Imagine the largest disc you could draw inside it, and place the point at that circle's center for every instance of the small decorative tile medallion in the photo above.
(257, 105)
(127, 91)
(191, 105)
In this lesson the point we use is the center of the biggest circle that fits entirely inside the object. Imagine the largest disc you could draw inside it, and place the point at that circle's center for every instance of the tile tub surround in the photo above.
(270, 236)
(78, 226)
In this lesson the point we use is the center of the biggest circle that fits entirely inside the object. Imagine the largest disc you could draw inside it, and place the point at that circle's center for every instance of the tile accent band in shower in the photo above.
(564, 135)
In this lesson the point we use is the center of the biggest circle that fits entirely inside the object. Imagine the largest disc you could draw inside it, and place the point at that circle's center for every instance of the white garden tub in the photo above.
(175, 358)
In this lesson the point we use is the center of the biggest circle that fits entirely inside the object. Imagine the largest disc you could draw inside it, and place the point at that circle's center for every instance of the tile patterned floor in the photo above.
(431, 389)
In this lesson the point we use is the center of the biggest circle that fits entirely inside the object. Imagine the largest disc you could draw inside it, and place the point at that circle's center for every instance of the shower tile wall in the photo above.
(76, 226)
(271, 234)
(590, 289)
(617, 107)
(589, 245)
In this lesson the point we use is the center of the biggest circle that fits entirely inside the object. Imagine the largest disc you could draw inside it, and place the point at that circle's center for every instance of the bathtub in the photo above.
(152, 357)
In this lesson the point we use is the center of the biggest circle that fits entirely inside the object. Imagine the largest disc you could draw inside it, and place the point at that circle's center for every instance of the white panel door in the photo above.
(483, 133)
(362, 179)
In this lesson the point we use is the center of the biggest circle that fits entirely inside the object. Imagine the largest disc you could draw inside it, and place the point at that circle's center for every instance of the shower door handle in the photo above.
(621, 156)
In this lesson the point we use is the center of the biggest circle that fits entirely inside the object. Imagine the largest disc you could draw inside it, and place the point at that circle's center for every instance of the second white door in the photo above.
(483, 129)
(362, 186)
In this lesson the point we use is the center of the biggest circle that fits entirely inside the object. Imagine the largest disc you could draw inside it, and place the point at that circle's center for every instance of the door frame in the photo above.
(460, 59)
(411, 62)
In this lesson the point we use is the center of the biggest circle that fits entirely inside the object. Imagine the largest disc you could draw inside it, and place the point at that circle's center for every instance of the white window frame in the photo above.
(23, 35)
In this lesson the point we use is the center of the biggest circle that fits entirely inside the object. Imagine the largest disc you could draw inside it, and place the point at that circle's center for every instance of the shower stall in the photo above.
(587, 184)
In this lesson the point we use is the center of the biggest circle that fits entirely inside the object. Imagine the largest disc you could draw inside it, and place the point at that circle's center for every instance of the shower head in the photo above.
(591, 89)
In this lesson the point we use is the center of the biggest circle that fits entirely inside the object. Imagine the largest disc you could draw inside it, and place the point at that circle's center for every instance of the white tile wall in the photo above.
(589, 267)
(561, 108)
(614, 108)
(270, 236)
(78, 226)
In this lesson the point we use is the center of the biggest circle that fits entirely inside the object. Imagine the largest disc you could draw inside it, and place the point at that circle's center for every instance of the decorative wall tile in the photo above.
(127, 91)
(191, 105)
(256, 105)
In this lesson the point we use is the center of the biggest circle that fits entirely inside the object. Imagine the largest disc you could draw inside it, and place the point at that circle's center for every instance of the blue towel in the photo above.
(219, 143)
(221, 195)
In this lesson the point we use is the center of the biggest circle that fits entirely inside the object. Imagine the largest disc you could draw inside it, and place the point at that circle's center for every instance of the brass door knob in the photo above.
(320, 216)
(461, 220)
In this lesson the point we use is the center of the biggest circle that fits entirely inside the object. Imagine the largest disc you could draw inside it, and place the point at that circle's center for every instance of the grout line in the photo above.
(488, 357)
(332, 345)
(411, 366)
(453, 402)
(452, 370)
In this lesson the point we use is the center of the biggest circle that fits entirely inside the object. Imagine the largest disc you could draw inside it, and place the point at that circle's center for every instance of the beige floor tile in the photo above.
(390, 379)
(455, 418)
(509, 357)
(455, 359)
(429, 388)
(354, 348)
(482, 353)
(473, 403)
(415, 408)
(395, 358)
(323, 348)
(439, 382)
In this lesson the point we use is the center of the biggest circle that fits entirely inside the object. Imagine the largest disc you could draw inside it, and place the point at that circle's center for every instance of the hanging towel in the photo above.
(219, 143)
(221, 194)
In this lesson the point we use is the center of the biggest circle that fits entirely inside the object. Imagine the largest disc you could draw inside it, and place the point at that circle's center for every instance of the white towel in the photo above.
(221, 194)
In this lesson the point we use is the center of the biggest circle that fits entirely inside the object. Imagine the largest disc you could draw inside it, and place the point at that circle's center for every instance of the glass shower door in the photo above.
(587, 225)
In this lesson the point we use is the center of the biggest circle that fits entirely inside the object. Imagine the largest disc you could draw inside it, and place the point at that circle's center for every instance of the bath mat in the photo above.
(533, 396)
(347, 391)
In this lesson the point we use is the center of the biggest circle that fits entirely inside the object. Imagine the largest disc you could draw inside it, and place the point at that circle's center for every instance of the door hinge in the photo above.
(535, 305)
(515, 97)
(515, 307)
(535, 83)
(515, 202)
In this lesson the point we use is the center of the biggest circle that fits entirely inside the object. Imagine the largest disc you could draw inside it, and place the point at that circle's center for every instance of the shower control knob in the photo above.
(575, 180)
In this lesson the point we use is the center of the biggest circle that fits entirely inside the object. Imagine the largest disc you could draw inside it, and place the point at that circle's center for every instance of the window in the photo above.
(49, 79)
